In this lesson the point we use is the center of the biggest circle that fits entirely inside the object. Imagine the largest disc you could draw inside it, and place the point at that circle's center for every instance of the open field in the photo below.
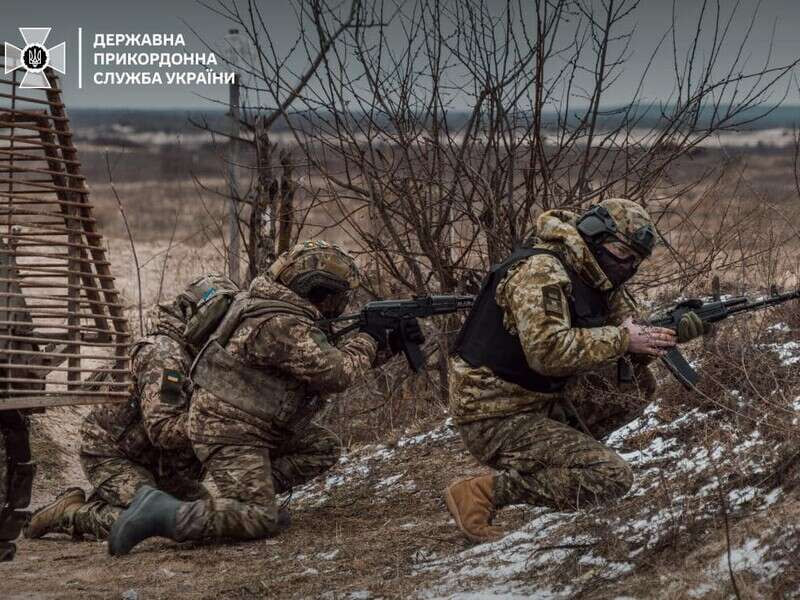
(377, 526)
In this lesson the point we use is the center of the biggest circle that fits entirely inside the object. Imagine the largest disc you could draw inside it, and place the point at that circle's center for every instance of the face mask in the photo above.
(333, 305)
(616, 269)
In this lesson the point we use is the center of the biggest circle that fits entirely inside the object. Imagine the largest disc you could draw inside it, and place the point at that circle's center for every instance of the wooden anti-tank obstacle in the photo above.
(63, 333)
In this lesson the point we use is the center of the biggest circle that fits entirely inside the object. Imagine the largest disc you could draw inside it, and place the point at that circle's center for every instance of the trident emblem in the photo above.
(34, 57)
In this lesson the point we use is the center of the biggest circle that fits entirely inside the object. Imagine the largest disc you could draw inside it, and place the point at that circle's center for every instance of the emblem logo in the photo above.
(35, 57)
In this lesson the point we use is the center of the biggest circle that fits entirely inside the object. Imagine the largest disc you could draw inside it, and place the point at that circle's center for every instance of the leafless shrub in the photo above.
(428, 136)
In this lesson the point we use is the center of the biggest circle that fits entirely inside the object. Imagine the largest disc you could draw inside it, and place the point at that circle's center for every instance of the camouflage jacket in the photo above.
(151, 427)
(299, 365)
(551, 345)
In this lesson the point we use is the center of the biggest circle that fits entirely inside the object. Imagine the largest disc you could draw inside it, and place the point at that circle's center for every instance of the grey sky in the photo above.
(142, 16)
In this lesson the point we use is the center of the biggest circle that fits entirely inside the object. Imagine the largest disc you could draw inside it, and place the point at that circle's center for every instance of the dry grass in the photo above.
(393, 401)
(354, 533)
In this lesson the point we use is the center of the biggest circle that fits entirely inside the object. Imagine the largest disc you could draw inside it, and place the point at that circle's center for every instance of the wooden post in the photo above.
(233, 161)
(716, 293)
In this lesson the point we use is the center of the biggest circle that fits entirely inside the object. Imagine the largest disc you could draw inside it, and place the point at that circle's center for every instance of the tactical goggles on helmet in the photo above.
(304, 283)
(598, 226)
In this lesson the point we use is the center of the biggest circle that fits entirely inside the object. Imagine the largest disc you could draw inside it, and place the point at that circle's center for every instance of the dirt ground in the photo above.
(377, 527)
(363, 541)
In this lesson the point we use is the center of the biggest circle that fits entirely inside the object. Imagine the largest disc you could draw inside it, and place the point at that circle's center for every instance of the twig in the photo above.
(563, 547)
(166, 258)
(130, 239)
(724, 508)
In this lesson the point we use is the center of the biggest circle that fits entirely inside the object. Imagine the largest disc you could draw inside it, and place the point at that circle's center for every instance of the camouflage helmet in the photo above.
(315, 263)
(621, 219)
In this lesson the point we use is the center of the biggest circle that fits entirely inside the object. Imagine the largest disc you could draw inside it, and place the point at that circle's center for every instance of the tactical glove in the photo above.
(377, 333)
(691, 326)
(408, 329)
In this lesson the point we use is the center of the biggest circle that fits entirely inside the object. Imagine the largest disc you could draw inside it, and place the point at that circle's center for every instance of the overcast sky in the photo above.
(143, 16)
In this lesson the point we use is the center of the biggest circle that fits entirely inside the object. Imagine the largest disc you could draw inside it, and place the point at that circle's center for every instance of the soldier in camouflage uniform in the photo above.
(145, 441)
(259, 382)
(530, 386)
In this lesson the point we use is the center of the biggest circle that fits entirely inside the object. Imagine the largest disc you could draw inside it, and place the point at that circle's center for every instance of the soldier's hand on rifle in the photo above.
(647, 339)
(377, 332)
(408, 330)
(691, 326)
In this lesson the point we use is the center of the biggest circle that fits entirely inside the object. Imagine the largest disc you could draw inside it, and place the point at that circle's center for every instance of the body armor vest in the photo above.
(485, 342)
(245, 387)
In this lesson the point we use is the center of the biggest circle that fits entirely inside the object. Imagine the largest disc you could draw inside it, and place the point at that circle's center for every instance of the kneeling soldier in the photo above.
(143, 442)
(260, 380)
(548, 322)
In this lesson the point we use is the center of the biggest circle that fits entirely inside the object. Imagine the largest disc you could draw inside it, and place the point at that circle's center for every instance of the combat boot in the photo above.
(57, 516)
(470, 501)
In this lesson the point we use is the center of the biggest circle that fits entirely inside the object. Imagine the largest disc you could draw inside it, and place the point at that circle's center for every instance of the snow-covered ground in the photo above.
(694, 469)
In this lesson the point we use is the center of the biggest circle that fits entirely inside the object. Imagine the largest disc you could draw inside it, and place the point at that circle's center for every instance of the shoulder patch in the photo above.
(171, 386)
(553, 301)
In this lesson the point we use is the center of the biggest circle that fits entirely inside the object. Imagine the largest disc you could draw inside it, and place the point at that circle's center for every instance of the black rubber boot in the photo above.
(152, 513)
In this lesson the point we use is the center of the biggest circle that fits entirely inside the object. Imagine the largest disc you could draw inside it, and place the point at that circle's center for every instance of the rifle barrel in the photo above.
(425, 306)
(765, 302)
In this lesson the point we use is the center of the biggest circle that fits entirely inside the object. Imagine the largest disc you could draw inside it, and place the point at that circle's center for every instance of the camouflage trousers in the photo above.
(249, 478)
(556, 459)
(115, 479)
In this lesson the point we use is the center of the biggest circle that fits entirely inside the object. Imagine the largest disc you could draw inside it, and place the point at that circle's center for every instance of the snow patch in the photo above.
(358, 467)
(749, 556)
(700, 590)
(788, 352)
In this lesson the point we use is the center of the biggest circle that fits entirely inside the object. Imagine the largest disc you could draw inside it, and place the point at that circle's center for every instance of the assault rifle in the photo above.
(391, 314)
(709, 312)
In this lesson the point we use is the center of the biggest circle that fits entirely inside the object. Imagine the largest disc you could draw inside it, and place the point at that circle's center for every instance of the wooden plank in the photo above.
(36, 157)
(12, 367)
(33, 100)
(51, 401)
(90, 385)
(48, 326)
(41, 338)
(111, 294)
(65, 298)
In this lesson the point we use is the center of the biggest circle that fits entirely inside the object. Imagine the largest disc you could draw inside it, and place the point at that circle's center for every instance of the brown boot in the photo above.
(470, 502)
(56, 517)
